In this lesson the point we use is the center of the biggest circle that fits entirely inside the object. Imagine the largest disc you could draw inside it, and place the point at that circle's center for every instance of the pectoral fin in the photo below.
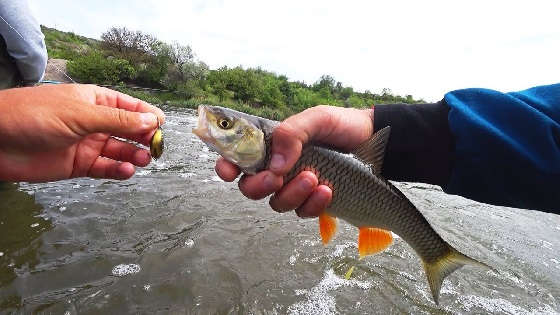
(327, 227)
(373, 240)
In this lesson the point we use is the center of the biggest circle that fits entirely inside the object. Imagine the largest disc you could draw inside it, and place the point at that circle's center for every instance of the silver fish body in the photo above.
(364, 199)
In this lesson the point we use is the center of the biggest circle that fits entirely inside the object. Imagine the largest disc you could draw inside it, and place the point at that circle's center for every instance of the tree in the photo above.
(346, 92)
(133, 46)
(325, 82)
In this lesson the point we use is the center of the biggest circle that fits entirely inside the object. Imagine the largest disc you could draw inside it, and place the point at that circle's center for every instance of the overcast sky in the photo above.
(424, 48)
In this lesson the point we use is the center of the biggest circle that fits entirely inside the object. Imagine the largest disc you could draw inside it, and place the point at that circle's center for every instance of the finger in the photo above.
(112, 98)
(144, 139)
(290, 135)
(343, 128)
(113, 121)
(226, 170)
(260, 185)
(294, 194)
(126, 152)
(111, 169)
(316, 203)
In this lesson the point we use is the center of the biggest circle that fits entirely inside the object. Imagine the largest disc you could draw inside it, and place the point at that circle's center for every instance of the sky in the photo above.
(424, 48)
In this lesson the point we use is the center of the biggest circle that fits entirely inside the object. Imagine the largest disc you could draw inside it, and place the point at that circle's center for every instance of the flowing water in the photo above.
(176, 239)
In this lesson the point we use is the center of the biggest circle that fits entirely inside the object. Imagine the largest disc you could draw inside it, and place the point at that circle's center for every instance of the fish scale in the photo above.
(382, 207)
(360, 195)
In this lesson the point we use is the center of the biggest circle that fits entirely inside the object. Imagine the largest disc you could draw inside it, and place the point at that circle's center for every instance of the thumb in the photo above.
(290, 136)
(116, 121)
(342, 128)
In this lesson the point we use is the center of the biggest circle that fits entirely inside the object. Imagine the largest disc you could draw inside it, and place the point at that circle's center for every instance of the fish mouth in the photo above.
(201, 129)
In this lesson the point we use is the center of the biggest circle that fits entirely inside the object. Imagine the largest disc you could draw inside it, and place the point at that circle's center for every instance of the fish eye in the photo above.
(225, 124)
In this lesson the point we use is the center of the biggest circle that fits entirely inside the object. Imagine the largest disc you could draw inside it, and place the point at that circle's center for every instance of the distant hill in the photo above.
(66, 45)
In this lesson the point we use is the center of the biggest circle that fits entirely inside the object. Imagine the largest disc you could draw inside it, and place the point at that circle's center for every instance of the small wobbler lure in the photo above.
(157, 143)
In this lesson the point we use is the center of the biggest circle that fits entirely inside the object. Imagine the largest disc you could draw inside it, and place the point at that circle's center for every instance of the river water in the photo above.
(176, 239)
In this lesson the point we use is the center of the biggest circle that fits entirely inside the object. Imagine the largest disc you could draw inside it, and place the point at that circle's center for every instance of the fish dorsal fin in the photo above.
(327, 227)
(372, 151)
(373, 240)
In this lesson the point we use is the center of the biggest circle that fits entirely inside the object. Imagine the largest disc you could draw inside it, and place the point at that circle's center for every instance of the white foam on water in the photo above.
(310, 243)
(292, 260)
(424, 291)
(318, 300)
(34, 225)
(189, 243)
(147, 287)
(159, 164)
(125, 269)
(1, 254)
(62, 209)
(498, 305)
(547, 245)
(339, 249)
(407, 275)
(509, 276)
(143, 172)
(216, 179)
(187, 175)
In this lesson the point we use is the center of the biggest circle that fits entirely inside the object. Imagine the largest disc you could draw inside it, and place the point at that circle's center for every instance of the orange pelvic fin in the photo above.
(373, 240)
(327, 227)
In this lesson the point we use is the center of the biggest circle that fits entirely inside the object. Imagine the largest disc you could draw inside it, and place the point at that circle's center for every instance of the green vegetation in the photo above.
(123, 57)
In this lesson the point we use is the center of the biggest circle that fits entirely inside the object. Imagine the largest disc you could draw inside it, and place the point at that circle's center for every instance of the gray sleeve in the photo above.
(24, 40)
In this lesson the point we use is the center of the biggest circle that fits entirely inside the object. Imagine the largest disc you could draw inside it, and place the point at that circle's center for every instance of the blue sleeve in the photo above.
(507, 146)
(24, 40)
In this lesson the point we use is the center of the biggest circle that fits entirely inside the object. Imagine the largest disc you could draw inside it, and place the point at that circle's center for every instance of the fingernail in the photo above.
(277, 162)
(149, 120)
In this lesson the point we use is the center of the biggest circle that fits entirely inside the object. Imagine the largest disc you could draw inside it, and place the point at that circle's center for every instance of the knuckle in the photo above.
(284, 130)
(122, 117)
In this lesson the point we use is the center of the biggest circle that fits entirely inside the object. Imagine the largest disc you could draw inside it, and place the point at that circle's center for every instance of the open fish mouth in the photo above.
(201, 129)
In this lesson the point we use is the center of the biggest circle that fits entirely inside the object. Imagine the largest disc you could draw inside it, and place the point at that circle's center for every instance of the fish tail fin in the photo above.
(442, 267)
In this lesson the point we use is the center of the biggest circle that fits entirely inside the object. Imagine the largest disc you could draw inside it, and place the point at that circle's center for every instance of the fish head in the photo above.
(236, 136)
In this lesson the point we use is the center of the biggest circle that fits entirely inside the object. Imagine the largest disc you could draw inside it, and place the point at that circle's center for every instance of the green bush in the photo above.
(93, 67)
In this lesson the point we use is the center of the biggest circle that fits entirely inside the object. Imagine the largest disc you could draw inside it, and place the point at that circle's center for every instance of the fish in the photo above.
(360, 195)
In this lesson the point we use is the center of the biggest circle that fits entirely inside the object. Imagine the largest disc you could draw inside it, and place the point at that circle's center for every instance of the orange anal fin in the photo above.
(373, 240)
(327, 227)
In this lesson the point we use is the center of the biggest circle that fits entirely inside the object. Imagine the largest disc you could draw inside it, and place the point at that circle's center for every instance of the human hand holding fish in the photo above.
(343, 186)
(341, 128)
